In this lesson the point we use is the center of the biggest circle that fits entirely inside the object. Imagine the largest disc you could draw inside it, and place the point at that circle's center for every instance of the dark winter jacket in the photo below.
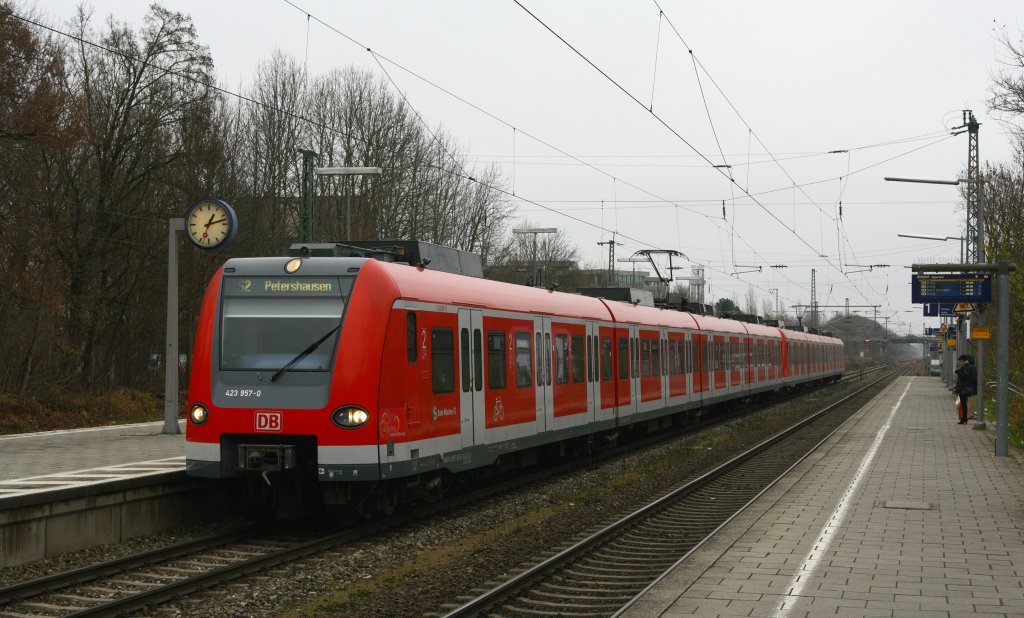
(967, 379)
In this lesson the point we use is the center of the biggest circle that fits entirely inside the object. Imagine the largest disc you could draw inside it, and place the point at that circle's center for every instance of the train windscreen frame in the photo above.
(268, 323)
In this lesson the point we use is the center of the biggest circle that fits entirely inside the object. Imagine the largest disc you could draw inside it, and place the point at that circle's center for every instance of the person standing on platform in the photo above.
(966, 384)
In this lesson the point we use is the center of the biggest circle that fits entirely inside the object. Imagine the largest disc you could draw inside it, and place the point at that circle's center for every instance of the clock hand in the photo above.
(217, 221)
(210, 222)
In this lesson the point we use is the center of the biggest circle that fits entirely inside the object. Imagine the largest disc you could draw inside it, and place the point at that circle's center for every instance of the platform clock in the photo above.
(211, 224)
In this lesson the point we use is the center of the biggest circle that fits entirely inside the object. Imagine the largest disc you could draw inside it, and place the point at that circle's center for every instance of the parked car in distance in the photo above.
(936, 367)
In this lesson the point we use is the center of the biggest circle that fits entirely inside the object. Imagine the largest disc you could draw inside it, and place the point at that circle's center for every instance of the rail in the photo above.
(487, 601)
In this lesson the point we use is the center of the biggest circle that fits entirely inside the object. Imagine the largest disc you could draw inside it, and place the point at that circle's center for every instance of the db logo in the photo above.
(268, 421)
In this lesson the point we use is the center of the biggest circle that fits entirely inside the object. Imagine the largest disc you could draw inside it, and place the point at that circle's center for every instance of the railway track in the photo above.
(135, 582)
(600, 574)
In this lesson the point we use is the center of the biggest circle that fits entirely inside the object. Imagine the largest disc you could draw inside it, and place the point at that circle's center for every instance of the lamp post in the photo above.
(346, 171)
(948, 360)
(941, 238)
(633, 261)
(535, 231)
(975, 223)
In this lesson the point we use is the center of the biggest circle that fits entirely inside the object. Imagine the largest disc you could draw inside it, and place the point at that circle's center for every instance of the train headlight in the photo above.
(198, 414)
(350, 417)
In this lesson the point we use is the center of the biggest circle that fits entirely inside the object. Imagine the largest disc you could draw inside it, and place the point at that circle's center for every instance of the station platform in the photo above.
(62, 491)
(902, 512)
(59, 461)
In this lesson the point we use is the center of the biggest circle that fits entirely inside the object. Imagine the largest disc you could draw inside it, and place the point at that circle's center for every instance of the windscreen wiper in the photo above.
(303, 354)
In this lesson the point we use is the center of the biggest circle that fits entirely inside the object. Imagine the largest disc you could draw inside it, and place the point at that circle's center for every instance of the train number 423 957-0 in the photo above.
(243, 392)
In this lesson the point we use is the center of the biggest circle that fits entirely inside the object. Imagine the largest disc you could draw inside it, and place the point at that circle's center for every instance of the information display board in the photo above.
(951, 288)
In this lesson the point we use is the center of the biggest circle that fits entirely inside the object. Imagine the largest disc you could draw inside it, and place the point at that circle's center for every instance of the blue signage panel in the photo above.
(939, 310)
(951, 288)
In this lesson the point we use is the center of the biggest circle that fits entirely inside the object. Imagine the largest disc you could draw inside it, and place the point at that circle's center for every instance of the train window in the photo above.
(495, 359)
(655, 357)
(623, 358)
(538, 363)
(664, 357)
(634, 366)
(645, 357)
(578, 359)
(464, 360)
(478, 360)
(262, 333)
(410, 336)
(547, 358)
(636, 357)
(606, 359)
(673, 364)
(442, 359)
(524, 372)
(561, 359)
(688, 360)
(590, 358)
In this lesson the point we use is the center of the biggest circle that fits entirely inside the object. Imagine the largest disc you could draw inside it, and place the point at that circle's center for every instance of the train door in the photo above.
(751, 358)
(634, 369)
(687, 355)
(665, 365)
(697, 364)
(471, 370)
(593, 375)
(542, 370)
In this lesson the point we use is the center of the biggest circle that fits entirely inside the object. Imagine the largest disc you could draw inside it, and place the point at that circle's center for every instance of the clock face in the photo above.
(210, 224)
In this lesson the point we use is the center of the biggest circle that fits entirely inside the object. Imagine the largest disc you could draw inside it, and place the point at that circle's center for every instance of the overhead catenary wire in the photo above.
(675, 133)
(341, 132)
(574, 157)
(379, 58)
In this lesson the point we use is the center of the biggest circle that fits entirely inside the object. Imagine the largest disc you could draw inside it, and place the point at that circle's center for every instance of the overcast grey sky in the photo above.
(770, 89)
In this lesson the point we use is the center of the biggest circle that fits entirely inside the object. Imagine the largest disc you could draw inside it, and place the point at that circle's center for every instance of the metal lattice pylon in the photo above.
(973, 240)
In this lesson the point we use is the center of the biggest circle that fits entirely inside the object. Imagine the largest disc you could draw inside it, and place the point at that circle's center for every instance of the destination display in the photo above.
(951, 288)
(281, 286)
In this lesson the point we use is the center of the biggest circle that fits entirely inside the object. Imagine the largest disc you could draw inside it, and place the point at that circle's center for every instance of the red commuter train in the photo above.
(368, 383)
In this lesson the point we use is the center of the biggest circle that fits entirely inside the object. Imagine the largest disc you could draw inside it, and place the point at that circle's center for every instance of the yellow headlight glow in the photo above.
(198, 414)
(350, 417)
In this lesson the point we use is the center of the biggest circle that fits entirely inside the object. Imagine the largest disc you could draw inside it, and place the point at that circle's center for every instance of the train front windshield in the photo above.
(273, 324)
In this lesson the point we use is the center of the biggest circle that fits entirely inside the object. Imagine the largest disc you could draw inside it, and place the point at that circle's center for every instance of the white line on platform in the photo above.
(807, 568)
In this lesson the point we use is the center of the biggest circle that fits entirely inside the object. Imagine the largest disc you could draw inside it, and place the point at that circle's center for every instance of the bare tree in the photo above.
(134, 98)
(750, 306)
(272, 130)
(1007, 89)
(557, 259)
(102, 144)
(35, 126)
